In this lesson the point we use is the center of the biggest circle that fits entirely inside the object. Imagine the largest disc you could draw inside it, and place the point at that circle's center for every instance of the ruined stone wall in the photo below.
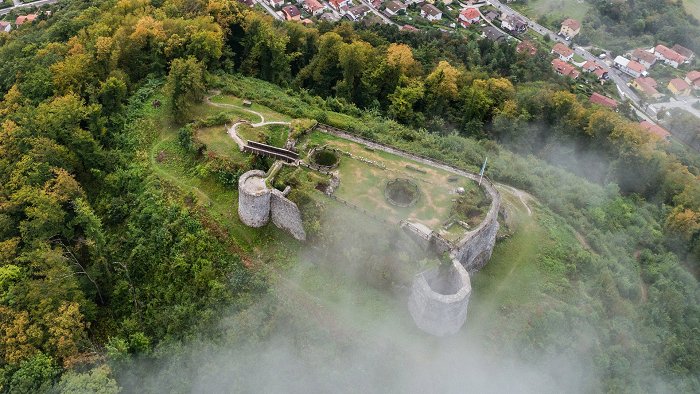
(253, 201)
(286, 215)
(435, 312)
(474, 249)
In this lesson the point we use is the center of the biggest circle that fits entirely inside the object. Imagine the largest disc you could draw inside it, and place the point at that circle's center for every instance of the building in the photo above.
(655, 130)
(409, 28)
(599, 99)
(339, 4)
(493, 34)
(25, 18)
(526, 46)
(5, 26)
(565, 69)
(645, 58)
(570, 28)
(513, 24)
(601, 74)
(669, 56)
(679, 87)
(395, 7)
(313, 7)
(647, 87)
(357, 13)
(693, 79)
(430, 12)
(565, 53)
(291, 13)
(683, 51)
(468, 16)
(491, 15)
(630, 67)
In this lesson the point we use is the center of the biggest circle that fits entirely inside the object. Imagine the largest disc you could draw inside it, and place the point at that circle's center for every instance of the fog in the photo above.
(337, 321)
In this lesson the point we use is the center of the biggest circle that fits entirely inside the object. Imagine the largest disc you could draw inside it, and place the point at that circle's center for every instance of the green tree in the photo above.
(185, 86)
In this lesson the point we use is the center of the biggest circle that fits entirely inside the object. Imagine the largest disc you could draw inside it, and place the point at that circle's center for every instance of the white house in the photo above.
(430, 12)
(630, 67)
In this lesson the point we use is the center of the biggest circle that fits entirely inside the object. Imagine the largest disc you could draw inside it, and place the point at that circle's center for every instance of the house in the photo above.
(565, 69)
(599, 99)
(377, 3)
(25, 18)
(409, 28)
(679, 87)
(468, 16)
(590, 66)
(526, 46)
(339, 4)
(313, 7)
(645, 58)
(493, 34)
(430, 12)
(395, 7)
(291, 13)
(276, 3)
(513, 24)
(693, 79)
(655, 130)
(5, 26)
(491, 15)
(669, 56)
(357, 13)
(683, 51)
(647, 87)
(570, 28)
(630, 67)
(601, 74)
(565, 53)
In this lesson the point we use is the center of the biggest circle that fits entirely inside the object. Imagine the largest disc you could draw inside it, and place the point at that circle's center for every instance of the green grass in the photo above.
(692, 7)
(553, 9)
(363, 184)
(220, 143)
(269, 114)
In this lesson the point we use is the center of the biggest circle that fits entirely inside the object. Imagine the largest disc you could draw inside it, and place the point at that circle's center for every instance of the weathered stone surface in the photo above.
(437, 304)
(253, 199)
(286, 215)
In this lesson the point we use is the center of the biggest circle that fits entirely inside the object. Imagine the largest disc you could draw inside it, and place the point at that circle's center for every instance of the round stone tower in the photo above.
(438, 303)
(253, 199)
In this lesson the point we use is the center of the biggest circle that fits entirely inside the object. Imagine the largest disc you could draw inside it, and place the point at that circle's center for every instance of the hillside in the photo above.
(124, 263)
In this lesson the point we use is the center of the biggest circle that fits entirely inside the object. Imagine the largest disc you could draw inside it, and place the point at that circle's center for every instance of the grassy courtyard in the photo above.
(364, 175)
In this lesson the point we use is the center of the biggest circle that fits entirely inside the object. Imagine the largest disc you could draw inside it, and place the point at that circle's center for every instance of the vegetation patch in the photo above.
(326, 158)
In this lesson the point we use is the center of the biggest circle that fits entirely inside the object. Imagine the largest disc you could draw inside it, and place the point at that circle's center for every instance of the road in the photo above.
(20, 5)
(269, 10)
(378, 13)
(686, 104)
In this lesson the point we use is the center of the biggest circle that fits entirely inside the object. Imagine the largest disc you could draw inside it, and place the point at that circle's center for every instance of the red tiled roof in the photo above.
(635, 66)
(644, 55)
(654, 129)
(590, 65)
(679, 84)
(565, 68)
(470, 13)
(599, 72)
(597, 98)
(648, 85)
(562, 50)
(693, 76)
(409, 28)
(669, 54)
(573, 24)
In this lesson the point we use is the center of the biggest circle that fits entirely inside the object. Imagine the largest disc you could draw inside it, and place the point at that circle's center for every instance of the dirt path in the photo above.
(523, 196)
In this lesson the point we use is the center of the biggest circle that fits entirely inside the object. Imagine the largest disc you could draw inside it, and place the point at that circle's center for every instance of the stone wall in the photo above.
(440, 308)
(474, 249)
(286, 215)
(253, 200)
(257, 203)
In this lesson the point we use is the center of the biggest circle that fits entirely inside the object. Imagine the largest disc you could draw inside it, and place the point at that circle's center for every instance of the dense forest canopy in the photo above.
(100, 262)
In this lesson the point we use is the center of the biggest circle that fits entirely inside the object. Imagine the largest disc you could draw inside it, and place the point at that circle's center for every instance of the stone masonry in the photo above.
(257, 202)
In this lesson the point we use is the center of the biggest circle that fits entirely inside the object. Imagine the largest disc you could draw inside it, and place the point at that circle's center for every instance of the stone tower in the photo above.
(253, 199)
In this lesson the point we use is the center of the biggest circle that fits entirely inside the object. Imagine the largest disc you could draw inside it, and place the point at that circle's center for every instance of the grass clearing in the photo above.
(269, 114)
(220, 143)
(692, 7)
(364, 176)
(554, 9)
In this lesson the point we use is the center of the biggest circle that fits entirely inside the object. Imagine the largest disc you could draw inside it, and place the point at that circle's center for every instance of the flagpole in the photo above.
(483, 168)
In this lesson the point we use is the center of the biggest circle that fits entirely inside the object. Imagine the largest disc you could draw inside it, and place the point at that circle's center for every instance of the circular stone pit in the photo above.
(401, 192)
(325, 158)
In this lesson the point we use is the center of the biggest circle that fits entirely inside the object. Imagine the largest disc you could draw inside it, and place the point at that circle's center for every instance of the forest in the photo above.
(102, 263)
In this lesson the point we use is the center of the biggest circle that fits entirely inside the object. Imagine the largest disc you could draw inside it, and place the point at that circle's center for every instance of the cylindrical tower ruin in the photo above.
(253, 199)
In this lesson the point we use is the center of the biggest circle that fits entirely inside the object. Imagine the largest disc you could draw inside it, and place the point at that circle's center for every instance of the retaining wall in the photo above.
(286, 215)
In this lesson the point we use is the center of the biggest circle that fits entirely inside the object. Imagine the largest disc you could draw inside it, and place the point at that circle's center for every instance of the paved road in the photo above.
(378, 13)
(20, 5)
(270, 10)
(686, 104)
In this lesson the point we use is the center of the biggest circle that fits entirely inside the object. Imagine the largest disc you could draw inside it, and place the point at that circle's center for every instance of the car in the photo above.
(602, 56)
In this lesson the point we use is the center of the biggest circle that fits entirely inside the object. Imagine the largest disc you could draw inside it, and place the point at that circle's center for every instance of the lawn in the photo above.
(219, 142)
(237, 103)
(558, 9)
(362, 183)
